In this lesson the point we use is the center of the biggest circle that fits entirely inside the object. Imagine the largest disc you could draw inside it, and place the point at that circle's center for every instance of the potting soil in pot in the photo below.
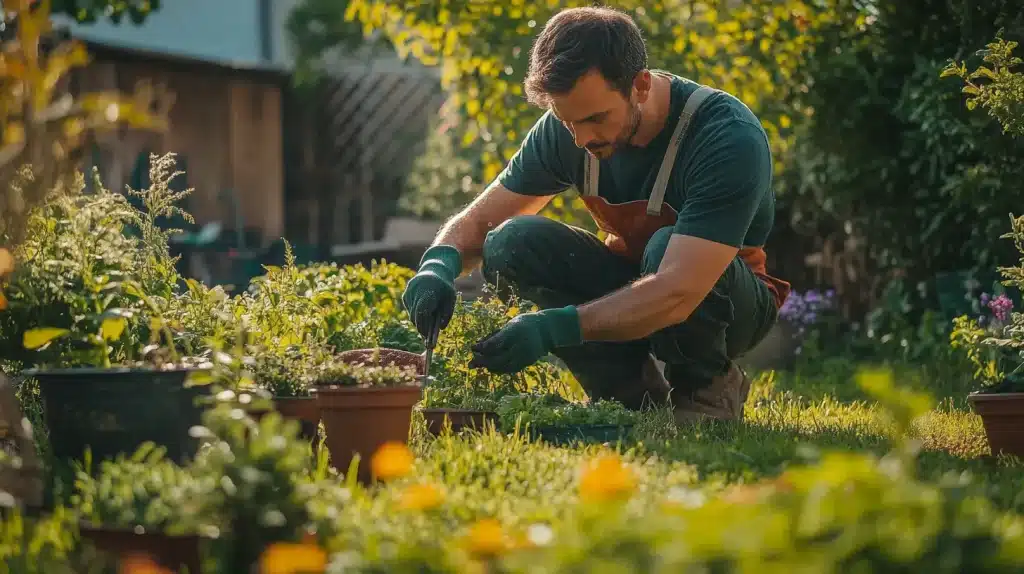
(384, 357)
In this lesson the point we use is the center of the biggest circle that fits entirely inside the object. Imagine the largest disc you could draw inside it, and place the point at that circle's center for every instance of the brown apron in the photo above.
(631, 225)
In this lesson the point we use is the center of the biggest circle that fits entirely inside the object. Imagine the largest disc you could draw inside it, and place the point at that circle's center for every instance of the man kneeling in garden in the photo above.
(679, 177)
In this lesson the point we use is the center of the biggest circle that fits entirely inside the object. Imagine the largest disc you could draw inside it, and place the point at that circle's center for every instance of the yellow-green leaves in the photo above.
(112, 328)
(38, 338)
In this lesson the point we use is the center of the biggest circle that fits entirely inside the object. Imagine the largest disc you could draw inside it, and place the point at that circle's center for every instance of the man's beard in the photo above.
(607, 149)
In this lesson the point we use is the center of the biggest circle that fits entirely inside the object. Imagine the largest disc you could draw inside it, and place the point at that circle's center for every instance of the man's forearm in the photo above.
(635, 311)
(461, 233)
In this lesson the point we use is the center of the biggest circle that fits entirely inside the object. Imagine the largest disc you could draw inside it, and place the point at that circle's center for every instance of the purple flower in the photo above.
(1001, 307)
(805, 309)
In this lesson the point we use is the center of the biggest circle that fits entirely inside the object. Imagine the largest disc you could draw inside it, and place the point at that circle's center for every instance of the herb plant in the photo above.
(340, 373)
(554, 411)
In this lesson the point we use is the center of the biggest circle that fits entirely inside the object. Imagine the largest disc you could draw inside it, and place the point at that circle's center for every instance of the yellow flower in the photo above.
(486, 538)
(6, 262)
(421, 497)
(606, 478)
(140, 564)
(392, 460)
(293, 558)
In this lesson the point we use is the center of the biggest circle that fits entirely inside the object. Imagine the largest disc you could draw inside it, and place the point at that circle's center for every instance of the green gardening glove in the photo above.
(430, 295)
(526, 339)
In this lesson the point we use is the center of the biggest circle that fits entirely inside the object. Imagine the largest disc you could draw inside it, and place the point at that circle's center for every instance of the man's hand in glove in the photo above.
(430, 294)
(526, 339)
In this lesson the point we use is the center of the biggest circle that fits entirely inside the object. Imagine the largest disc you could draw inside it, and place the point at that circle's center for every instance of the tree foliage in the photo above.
(997, 86)
(890, 156)
(114, 10)
(481, 46)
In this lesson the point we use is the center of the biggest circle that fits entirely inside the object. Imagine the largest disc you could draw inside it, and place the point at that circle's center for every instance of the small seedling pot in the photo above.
(1002, 414)
(575, 434)
(359, 420)
(114, 411)
(175, 553)
(459, 419)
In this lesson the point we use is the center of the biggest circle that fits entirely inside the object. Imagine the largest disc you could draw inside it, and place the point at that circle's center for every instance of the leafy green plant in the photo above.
(43, 545)
(85, 292)
(555, 411)
(345, 374)
(471, 322)
(254, 475)
(997, 349)
(996, 87)
(143, 490)
(468, 398)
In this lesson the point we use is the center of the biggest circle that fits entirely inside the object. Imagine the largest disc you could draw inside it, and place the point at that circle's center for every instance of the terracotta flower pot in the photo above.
(302, 409)
(1003, 417)
(460, 419)
(358, 420)
(170, 552)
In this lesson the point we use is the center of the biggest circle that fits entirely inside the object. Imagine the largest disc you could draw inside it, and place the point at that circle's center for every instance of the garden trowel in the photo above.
(431, 343)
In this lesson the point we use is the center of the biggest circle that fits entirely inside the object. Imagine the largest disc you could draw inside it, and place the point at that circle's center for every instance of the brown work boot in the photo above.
(723, 399)
(650, 388)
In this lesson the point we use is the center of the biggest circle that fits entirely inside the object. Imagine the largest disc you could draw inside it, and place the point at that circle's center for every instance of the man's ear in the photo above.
(642, 86)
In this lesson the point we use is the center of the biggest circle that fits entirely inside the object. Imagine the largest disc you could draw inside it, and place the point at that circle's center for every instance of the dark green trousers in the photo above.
(553, 265)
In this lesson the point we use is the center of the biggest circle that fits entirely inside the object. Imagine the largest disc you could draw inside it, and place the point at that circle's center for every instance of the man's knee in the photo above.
(509, 243)
(655, 250)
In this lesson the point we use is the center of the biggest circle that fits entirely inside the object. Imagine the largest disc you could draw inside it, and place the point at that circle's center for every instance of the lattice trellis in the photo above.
(362, 131)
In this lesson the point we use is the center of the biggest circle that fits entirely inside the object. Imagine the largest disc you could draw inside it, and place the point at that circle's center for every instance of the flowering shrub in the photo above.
(805, 309)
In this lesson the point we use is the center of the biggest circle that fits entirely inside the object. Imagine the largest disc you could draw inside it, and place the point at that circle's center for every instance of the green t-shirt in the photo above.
(721, 184)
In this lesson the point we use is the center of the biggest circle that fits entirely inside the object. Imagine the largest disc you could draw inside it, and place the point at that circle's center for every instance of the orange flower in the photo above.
(421, 497)
(392, 460)
(293, 558)
(141, 564)
(3, 302)
(606, 478)
(486, 538)
(6, 262)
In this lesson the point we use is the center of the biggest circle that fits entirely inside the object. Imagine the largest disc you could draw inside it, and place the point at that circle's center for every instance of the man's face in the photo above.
(600, 118)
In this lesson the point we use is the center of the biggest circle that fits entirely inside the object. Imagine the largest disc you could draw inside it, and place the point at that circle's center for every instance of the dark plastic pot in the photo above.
(114, 411)
(174, 553)
(1002, 414)
(574, 434)
(360, 420)
(458, 418)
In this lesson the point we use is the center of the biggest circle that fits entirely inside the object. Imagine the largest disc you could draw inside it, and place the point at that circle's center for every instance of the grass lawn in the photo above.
(790, 420)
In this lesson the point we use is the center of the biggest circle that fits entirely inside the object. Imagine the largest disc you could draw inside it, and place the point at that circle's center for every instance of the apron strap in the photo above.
(661, 182)
(591, 174)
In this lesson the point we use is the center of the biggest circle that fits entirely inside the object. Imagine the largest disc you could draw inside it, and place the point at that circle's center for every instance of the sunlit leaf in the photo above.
(37, 338)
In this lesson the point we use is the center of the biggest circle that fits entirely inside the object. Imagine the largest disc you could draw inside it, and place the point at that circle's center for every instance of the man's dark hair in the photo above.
(578, 40)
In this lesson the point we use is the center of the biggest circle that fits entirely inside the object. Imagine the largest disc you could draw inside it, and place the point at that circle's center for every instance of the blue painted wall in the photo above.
(221, 31)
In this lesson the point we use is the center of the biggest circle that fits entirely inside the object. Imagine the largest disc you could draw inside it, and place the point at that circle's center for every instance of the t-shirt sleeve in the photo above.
(725, 183)
(537, 168)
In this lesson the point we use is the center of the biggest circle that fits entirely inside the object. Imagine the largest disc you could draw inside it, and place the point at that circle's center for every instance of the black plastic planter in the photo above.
(114, 411)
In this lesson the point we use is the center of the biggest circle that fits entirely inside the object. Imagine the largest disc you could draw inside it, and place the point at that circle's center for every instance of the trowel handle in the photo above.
(435, 330)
